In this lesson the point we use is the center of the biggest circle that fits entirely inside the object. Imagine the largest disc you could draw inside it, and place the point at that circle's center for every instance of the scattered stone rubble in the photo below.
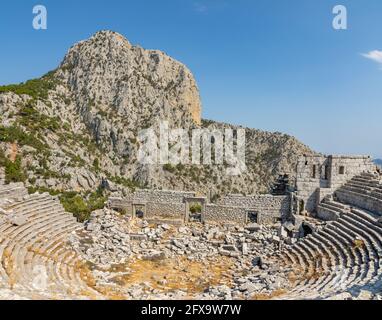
(105, 239)
(110, 239)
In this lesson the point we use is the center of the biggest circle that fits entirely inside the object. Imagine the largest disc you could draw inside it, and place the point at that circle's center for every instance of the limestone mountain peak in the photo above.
(106, 71)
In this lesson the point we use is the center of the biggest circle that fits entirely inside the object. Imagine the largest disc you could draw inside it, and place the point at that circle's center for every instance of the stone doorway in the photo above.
(139, 210)
(195, 208)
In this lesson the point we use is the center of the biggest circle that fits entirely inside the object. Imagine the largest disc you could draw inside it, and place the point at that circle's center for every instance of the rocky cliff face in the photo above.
(116, 86)
(79, 124)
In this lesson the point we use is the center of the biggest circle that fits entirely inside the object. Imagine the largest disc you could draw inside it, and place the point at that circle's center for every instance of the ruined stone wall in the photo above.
(345, 168)
(158, 196)
(221, 214)
(119, 203)
(313, 173)
(165, 210)
(268, 207)
(326, 214)
(319, 175)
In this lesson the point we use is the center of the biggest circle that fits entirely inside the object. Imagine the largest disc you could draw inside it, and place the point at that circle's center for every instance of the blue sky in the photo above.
(276, 65)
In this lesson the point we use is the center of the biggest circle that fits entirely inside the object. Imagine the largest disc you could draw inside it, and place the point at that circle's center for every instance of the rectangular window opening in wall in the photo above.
(314, 171)
(326, 173)
(342, 170)
(253, 217)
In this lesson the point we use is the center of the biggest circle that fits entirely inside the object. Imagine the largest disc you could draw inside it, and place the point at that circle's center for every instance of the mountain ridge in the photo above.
(75, 129)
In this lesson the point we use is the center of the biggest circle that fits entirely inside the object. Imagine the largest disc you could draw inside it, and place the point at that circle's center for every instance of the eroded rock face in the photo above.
(107, 73)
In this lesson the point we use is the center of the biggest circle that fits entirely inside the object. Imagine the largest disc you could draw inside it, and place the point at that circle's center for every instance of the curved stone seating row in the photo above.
(35, 261)
(363, 191)
(12, 191)
(344, 255)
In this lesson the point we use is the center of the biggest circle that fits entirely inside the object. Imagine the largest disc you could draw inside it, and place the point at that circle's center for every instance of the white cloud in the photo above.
(201, 8)
(375, 56)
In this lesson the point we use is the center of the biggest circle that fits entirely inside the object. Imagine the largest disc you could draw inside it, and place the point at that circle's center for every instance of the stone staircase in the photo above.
(35, 261)
(346, 254)
(363, 191)
(12, 191)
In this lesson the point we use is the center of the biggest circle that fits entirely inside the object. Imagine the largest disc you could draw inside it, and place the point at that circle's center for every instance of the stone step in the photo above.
(365, 254)
(13, 191)
(327, 256)
(313, 270)
(362, 193)
(335, 249)
(344, 244)
(333, 258)
(338, 205)
(367, 181)
(341, 249)
(326, 261)
(39, 208)
(368, 227)
(27, 201)
(350, 240)
(340, 278)
(35, 227)
(365, 235)
(45, 213)
(355, 189)
(368, 216)
(9, 244)
(329, 206)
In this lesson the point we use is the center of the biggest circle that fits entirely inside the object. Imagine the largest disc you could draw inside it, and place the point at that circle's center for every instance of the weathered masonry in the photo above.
(320, 176)
(263, 209)
(317, 177)
(173, 205)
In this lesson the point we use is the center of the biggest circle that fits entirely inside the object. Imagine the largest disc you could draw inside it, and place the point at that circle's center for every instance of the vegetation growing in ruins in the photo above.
(196, 208)
(80, 205)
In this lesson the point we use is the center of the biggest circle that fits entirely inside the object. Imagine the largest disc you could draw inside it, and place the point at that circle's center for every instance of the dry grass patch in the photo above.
(358, 243)
(273, 295)
(10, 268)
(169, 275)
